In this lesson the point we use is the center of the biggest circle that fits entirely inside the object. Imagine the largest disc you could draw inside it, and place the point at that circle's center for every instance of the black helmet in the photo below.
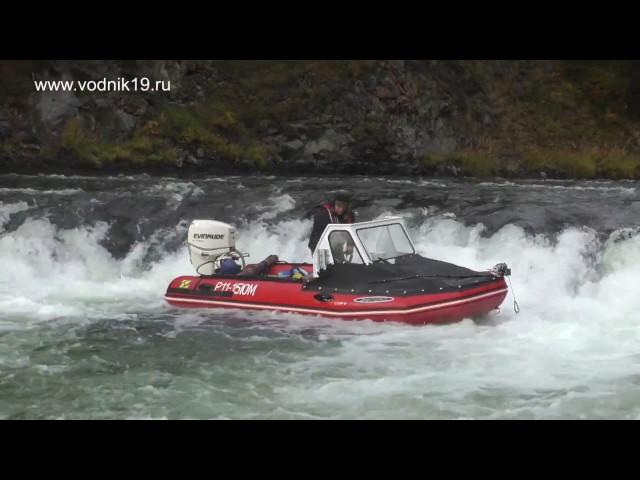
(342, 196)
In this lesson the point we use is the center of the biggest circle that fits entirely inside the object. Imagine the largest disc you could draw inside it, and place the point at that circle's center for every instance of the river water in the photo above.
(85, 332)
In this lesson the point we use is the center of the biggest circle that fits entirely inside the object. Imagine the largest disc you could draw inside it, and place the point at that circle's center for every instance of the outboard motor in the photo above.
(210, 242)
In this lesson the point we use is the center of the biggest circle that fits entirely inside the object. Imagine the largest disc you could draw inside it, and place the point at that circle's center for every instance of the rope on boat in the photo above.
(516, 307)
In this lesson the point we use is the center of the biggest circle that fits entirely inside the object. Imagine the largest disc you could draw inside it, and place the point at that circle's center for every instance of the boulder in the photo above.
(55, 107)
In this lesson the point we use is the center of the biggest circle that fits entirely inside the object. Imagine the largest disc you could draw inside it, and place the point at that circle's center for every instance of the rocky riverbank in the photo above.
(478, 118)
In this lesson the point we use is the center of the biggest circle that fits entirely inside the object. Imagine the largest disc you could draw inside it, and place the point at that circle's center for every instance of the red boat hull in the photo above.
(285, 295)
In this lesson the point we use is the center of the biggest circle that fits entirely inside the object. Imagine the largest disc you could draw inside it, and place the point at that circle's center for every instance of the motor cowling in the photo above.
(207, 241)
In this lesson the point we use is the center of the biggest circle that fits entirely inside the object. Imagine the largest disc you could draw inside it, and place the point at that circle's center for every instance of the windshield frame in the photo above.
(388, 225)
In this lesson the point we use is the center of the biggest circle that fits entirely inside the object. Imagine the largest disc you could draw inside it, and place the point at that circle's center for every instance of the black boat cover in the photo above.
(410, 275)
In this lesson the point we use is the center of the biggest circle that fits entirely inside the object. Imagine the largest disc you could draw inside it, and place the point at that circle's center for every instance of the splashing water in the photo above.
(86, 334)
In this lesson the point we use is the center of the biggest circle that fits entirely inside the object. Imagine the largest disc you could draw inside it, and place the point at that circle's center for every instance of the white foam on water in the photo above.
(8, 209)
(592, 186)
(571, 352)
(175, 191)
(34, 191)
(573, 344)
(50, 273)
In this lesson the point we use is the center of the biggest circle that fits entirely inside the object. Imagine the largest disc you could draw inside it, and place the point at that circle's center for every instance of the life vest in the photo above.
(333, 216)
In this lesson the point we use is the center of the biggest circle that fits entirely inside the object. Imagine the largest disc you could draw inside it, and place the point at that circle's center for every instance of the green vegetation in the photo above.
(594, 163)
(7, 148)
(139, 150)
(572, 119)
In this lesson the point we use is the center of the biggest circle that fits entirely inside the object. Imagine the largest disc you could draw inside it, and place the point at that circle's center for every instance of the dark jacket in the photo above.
(323, 217)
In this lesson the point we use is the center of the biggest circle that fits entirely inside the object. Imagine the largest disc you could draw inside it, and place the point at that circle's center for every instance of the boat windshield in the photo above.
(385, 242)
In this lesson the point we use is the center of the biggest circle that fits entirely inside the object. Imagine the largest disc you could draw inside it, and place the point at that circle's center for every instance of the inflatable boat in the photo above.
(366, 270)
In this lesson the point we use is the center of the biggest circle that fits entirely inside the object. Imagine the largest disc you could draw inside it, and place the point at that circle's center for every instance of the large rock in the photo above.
(295, 130)
(386, 91)
(330, 141)
(127, 122)
(112, 124)
(633, 93)
(320, 145)
(5, 127)
(293, 145)
(55, 107)
(301, 164)
(134, 105)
